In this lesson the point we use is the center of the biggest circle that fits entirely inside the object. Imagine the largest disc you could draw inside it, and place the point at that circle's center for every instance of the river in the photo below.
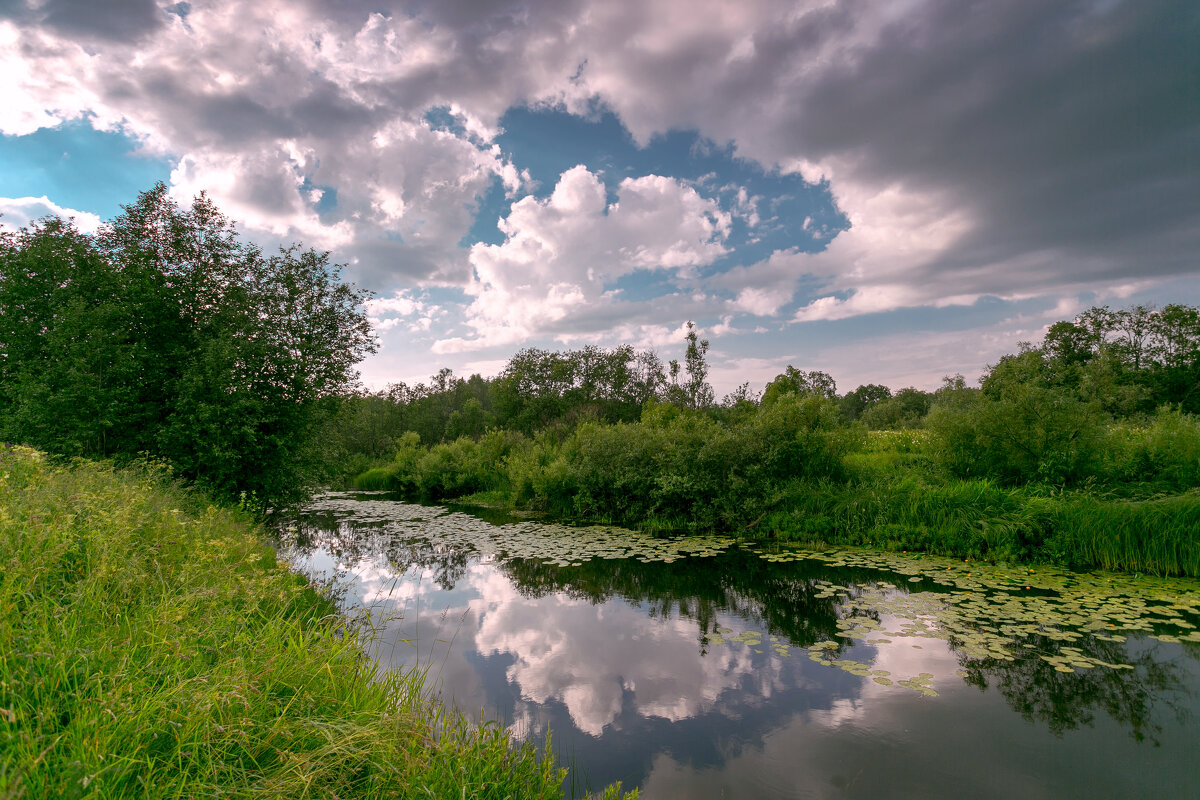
(700, 668)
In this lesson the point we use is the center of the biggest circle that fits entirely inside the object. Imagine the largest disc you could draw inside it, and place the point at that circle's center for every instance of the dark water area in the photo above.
(700, 669)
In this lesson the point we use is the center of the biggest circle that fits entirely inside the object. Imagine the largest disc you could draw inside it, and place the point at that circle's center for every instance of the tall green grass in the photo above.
(151, 646)
(1159, 536)
(981, 519)
(1143, 518)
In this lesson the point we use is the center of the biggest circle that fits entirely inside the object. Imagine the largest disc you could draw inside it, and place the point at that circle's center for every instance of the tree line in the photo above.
(165, 335)
(1117, 364)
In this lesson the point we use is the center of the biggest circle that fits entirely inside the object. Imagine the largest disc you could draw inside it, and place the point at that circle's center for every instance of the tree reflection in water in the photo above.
(1064, 701)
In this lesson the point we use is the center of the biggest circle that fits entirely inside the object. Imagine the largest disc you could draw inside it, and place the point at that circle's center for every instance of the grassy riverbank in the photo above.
(888, 490)
(150, 646)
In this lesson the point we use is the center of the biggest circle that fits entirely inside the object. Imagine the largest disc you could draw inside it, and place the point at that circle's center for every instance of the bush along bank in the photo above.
(152, 647)
(1110, 495)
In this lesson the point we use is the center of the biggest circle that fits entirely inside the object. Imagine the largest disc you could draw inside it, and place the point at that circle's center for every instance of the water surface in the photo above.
(697, 668)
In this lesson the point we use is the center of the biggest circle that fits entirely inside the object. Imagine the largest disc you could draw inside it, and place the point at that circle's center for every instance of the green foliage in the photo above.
(359, 435)
(1158, 536)
(907, 408)
(1018, 429)
(695, 392)
(167, 334)
(76, 334)
(853, 404)
(674, 464)
(378, 479)
(539, 388)
(153, 648)
(1129, 360)
(797, 381)
(909, 511)
(680, 465)
(471, 420)
(1164, 452)
(457, 468)
(981, 519)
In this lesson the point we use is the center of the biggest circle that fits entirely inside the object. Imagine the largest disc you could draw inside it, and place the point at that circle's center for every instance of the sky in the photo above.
(890, 192)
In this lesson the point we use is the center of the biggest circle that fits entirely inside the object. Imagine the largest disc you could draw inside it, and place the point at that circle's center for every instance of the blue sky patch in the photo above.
(547, 142)
(79, 167)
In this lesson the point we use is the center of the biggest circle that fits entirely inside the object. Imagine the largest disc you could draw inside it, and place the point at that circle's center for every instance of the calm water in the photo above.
(716, 671)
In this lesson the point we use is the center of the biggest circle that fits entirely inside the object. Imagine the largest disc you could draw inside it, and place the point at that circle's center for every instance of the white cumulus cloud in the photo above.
(562, 254)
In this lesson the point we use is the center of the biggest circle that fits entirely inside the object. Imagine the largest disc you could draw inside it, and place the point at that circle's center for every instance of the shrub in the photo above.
(1165, 451)
(682, 466)
(1027, 433)
(376, 479)
(465, 466)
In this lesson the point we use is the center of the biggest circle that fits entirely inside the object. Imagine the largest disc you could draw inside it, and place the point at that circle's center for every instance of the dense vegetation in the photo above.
(166, 334)
(154, 648)
(1083, 449)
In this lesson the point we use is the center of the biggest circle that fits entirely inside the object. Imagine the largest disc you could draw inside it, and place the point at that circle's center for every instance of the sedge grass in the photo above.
(151, 646)
(376, 478)
(980, 519)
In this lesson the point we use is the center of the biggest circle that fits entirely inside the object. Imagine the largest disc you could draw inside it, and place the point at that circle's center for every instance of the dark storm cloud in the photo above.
(390, 264)
(1064, 127)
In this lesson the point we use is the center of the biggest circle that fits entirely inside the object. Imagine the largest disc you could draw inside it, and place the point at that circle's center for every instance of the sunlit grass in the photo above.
(981, 519)
(152, 647)
(377, 478)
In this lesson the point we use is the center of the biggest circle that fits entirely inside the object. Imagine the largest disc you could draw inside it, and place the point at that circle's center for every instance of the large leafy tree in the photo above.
(539, 387)
(71, 363)
(168, 334)
(853, 404)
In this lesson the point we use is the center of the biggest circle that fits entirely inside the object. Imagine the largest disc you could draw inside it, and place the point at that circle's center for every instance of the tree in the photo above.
(80, 344)
(698, 391)
(168, 334)
(905, 409)
(799, 382)
(695, 391)
(854, 403)
(1129, 360)
(471, 420)
(1020, 426)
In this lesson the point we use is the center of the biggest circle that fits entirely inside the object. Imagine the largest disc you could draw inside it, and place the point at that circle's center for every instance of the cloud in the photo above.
(991, 149)
(561, 255)
(416, 314)
(978, 149)
(273, 108)
(544, 643)
(18, 212)
(115, 20)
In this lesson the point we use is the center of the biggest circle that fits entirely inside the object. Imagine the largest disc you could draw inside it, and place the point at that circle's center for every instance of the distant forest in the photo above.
(1081, 449)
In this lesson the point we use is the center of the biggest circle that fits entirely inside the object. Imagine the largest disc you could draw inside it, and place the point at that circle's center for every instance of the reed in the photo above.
(981, 519)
